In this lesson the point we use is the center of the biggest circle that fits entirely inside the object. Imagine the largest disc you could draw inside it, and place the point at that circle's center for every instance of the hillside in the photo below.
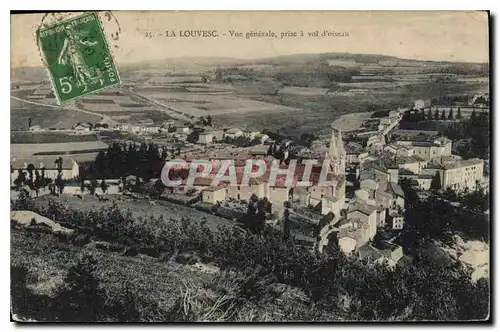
(156, 269)
(39, 74)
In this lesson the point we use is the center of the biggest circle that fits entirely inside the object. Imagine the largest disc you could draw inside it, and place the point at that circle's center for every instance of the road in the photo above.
(164, 108)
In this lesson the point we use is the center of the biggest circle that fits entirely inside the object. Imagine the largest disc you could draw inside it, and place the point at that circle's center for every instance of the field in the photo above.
(293, 94)
(27, 137)
(115, 103)
(297, 90)
(211, 103)
(351, 122)
(77, 150)
(57, 118)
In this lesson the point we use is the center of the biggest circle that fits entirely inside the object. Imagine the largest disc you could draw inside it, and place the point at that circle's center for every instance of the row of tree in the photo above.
(422, 115)
(122, 160)
(35, 178)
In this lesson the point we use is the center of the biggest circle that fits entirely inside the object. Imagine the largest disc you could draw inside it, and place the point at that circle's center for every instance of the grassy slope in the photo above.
(156, 281)
(48, 261)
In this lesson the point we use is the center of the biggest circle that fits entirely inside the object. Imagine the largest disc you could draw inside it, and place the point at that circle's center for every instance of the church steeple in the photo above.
(334, 151)
(337, 153)
(340, 144)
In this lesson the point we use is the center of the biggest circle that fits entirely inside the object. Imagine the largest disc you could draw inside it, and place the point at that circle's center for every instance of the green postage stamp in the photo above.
(77, 57)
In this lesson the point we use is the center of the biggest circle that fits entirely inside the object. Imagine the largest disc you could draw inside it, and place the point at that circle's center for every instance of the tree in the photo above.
(158, 188)
(104, 186)
(38, 182)
(307, 138)
(436, 114)
(450, 114)
(31, 169)
(59, 180)
(44, 181)
(429, 114)
(209, 120)
(459, 114)
(60, 183)
(82, 186)
(20, 180)
(82, 299)
(286, 224)
(436, 182)
(443, 115)
(473, 116)
(422, 115)
(477, 200)
(59, 162)
(260, 217)
(92, 186)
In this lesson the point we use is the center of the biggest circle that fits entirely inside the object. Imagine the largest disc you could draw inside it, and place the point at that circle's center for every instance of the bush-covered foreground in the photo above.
(119, 268)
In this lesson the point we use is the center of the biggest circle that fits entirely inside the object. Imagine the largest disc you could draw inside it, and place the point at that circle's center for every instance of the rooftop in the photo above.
(415, 135)
(363, 208)
(39, 162)
(395, 188)
(410, 159)
(369, 252)
(233, 130)
(331, 198)
(463, 163)
(353, 148)
(214, 188)
(404, 171)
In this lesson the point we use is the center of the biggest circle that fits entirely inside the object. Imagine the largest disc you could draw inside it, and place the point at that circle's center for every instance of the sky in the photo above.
(433, 35)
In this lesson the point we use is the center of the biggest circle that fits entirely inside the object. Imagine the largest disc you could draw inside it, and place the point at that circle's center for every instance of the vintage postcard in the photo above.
(250, 166)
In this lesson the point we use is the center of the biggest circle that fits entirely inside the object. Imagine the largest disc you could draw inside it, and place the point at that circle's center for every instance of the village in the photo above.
(363, 197)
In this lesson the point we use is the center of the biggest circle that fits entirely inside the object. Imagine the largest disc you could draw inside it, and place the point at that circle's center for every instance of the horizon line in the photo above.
(289, 54)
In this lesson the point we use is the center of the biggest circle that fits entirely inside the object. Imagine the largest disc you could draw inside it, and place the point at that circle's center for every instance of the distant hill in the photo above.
(39, 74)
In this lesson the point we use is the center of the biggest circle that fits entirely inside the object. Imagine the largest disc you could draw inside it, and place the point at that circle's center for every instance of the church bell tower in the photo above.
(337, 153)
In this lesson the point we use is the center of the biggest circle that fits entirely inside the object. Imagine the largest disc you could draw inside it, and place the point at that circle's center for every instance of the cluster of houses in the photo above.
(377, 165)
(373, 162)
(417, 155)
(213, 136)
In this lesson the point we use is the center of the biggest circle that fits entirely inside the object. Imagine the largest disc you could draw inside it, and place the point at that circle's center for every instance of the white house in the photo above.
(147, 129)
(217, 135)
(70, 167)
(262, 138)
(205, 138)
(82, 127)
(421, 104)
(183, 130)
(214, 194)
(36, 128)
(252, 134)
(233, 133)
